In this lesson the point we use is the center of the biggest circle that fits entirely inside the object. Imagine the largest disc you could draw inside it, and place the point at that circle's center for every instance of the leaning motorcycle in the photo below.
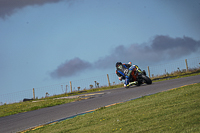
(140, 77)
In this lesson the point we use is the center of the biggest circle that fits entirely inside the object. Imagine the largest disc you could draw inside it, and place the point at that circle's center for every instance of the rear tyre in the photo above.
(146, 79)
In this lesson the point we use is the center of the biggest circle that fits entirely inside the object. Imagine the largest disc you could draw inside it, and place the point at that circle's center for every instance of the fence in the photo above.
(95, 82)
(182, 65)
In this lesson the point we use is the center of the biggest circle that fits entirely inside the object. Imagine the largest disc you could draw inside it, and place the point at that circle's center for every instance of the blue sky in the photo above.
(45, 42)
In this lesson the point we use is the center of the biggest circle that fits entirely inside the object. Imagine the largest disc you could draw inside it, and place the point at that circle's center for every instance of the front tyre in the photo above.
(146, 79)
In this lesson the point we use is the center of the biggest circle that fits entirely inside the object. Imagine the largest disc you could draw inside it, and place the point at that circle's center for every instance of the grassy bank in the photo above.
(177, 110)
(15, 108)
(9, 109)
(176, 74)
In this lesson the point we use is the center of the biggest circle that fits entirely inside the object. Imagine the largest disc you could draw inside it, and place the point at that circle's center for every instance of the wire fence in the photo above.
(168, 68)
(15, 96)
(95, 82)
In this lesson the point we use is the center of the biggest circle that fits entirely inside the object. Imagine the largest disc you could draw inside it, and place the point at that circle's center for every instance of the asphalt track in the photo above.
(22, 121)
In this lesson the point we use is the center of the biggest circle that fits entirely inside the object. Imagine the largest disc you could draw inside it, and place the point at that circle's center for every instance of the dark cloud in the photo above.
(161, 48)
(70, 68)
(8, 7)
(174, 47)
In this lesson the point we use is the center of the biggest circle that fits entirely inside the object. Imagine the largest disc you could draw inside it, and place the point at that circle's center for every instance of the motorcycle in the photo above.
(139, 76)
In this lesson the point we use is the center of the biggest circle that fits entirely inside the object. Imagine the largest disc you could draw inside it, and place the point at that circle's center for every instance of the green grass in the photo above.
(9, 109)
(15, 108)
(176, 74)
(177, 110)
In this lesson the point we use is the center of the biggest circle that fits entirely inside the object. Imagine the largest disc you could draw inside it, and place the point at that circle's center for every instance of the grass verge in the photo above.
(16, 108)
(10, 109)
(176, 74)
(177, 110)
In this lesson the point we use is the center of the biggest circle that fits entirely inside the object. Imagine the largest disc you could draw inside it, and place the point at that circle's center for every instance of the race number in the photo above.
(126, 71)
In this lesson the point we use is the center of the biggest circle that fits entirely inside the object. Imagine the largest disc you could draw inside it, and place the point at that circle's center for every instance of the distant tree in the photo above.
(97, 85)
(47, 94)
(91, 86)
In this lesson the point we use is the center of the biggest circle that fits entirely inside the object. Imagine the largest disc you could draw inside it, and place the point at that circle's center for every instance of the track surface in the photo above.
(30, 119)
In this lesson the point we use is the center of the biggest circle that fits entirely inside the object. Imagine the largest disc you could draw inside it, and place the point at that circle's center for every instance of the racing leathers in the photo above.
(124, 72)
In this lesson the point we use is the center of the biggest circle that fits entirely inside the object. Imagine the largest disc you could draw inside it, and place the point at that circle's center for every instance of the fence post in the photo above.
(148, 71)
(71, 86)
(186, 65)
(33, 93)
(108, 80)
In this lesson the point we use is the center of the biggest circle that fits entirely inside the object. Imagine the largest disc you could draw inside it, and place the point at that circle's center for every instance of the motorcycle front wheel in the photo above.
(146, 79)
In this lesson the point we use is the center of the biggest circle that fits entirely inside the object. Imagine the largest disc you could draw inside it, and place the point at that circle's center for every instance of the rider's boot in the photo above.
(126, 86)
(133, 83)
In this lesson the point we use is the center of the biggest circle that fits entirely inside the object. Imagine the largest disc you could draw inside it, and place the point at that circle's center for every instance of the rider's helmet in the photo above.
(130, 63)
(118, 63)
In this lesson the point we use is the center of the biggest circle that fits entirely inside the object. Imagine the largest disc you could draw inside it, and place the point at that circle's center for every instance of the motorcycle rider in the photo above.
(124, 72)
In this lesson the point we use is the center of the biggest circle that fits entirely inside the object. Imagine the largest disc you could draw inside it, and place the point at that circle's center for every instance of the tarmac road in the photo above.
(22, 121)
